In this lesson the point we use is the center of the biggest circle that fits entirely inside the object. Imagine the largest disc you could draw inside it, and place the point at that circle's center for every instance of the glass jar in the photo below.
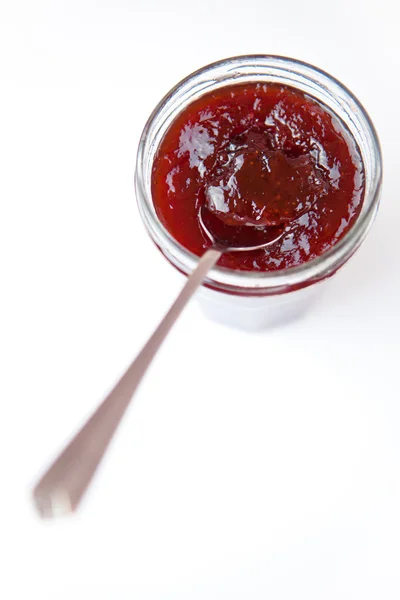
(253, 299)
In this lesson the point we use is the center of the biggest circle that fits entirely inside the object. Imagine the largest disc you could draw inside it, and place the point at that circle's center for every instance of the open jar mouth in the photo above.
(259, 68)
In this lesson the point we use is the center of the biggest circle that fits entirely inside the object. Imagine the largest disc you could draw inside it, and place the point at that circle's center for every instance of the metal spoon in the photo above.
(63, 485)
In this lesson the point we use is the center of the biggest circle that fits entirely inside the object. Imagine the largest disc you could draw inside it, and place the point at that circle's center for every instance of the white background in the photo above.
(249, 465)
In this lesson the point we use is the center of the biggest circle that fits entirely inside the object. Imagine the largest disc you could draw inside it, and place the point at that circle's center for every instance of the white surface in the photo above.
(250, 466)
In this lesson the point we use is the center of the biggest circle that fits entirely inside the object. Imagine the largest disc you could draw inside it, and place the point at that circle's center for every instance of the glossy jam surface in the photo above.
(258, 155)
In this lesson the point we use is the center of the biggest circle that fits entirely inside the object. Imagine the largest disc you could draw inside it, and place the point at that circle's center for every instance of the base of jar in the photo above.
(256, 313)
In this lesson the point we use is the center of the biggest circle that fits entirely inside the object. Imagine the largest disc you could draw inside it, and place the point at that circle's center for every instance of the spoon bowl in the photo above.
(245, 238)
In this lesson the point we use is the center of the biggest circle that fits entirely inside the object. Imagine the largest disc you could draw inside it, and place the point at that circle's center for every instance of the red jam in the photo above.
(258, 155)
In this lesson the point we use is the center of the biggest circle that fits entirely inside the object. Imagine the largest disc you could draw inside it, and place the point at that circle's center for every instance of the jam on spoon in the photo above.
(250, 184)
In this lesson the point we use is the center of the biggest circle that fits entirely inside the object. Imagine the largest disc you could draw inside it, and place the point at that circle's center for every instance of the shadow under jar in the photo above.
(280, 284)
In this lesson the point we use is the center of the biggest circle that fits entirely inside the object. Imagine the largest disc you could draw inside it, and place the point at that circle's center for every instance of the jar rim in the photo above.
(268, 67)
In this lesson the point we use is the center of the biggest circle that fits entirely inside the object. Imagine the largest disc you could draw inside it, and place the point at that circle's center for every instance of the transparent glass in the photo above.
(276, 69)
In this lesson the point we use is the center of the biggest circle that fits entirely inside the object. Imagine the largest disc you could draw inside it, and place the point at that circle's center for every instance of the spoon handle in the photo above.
(63, 485)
